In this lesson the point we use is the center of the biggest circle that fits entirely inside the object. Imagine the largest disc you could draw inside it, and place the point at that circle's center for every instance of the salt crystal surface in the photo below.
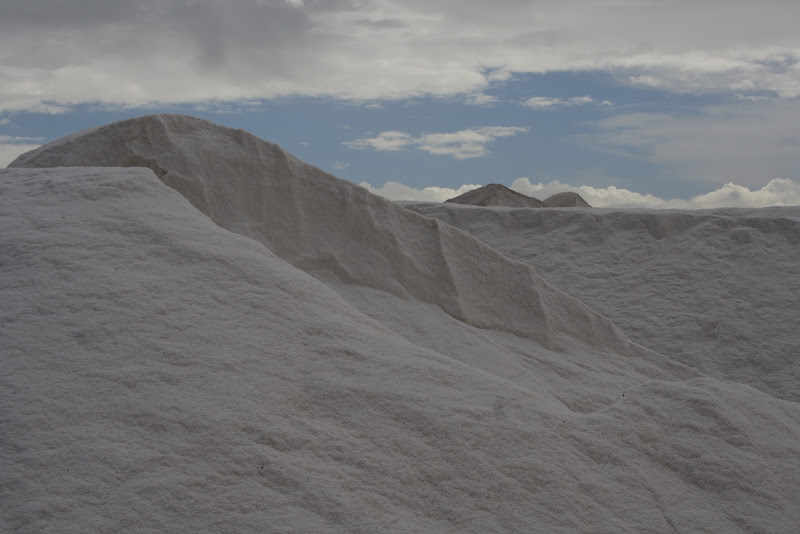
(285, 352)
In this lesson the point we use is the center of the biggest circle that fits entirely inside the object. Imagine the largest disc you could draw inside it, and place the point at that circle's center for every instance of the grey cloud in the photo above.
(57, 14)
(779, 62)
(193, 50)
(248, 40)
(747, 143)
(383, 24)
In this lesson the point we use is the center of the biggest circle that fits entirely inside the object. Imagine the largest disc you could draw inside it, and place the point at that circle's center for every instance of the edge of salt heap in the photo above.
(325, 225)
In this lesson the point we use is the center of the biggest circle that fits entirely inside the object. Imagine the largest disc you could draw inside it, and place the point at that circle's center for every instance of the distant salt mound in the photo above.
(567, 199)
(497, 195)
(330, 227)
(502, 196)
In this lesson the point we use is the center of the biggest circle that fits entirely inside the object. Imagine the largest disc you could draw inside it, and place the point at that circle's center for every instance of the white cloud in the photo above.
(385, 141)
(778, 192)
(544, 103)
(747, 70)
(463, 144)
(480, 99)
(397, 191)
(498, 75)
(11, 147)
(340, 165)
(55, 54)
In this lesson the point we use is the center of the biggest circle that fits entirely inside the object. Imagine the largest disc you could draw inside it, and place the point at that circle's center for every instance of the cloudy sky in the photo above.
(630, 102)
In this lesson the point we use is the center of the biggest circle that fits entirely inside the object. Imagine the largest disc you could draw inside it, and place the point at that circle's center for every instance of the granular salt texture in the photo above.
(162, 373)
(714, 289)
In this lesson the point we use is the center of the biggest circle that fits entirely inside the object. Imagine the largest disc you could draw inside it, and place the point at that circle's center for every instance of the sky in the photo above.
(629, 102)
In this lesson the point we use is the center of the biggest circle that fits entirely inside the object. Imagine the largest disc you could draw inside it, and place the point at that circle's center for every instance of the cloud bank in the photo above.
(778, 192)
(464, 144)
(56, 54)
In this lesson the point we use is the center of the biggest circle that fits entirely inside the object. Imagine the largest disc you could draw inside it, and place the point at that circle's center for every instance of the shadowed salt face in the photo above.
(262, 344)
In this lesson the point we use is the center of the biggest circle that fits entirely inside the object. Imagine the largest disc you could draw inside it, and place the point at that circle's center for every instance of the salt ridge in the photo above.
(325, 225)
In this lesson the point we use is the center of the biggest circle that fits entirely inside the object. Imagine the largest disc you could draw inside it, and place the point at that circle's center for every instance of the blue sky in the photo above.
(631, 102)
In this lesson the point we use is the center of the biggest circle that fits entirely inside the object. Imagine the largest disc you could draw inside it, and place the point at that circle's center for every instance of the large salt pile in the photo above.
(324, 225)
(162, 373)
(715, 289)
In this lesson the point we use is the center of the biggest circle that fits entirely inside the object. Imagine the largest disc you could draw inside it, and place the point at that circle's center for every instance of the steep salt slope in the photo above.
(163, 374)
(325, 225)
(718, 290)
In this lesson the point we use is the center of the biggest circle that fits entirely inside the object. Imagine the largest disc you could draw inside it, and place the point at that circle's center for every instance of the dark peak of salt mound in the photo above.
(497, 195)
(568, 199)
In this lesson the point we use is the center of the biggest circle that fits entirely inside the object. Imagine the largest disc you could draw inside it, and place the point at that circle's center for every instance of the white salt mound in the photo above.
(162, 373)
(324, 225)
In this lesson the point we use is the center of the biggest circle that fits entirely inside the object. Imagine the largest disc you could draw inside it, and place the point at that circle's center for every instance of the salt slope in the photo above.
(584, 377)
(717, 290)
(163, 374)
(325, 225)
